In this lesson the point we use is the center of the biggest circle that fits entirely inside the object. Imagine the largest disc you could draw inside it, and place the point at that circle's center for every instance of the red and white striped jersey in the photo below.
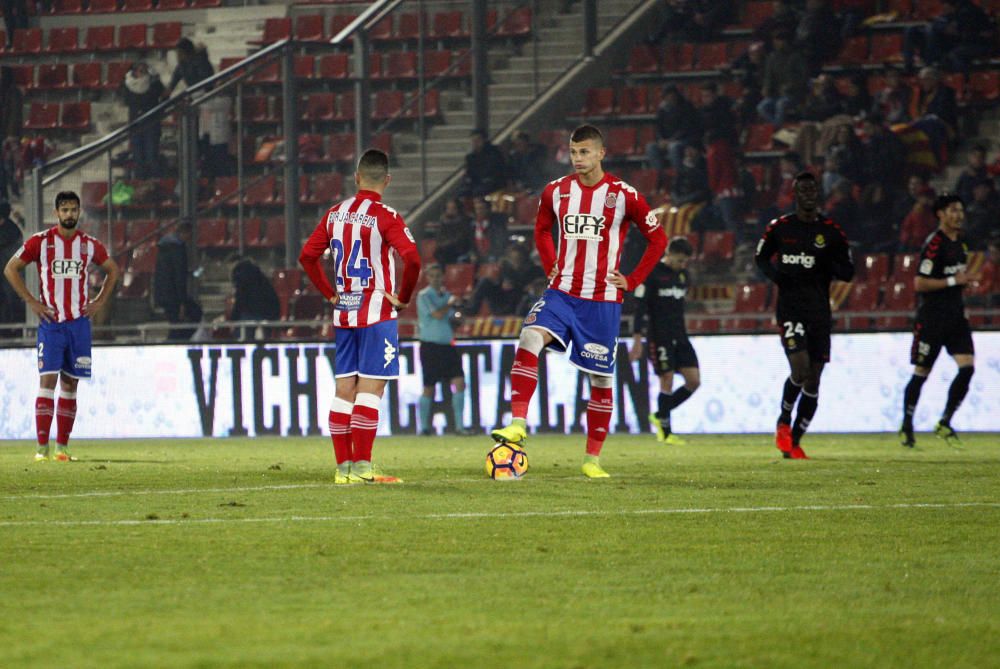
(361, 233)
(62, 269)
(592, 224)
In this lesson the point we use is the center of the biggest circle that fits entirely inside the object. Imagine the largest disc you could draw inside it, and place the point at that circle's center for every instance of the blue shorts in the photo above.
(591, 327)
(65, 347)
(372, 351)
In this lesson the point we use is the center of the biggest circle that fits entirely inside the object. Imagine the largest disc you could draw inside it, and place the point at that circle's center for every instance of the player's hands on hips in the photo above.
(618, 280)
(635, 353)
(964, 278)
(395, 301)
(335, 299)
(45, 313)
(93, 307)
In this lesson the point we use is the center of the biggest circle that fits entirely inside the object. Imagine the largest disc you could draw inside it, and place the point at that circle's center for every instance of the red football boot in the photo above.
(797, 453)
(783, 439)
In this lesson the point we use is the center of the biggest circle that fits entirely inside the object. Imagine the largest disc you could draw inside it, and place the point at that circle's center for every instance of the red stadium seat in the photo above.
(759, 137)
(171, 4)
(713, 55)
(92, 194)
(516, 24)
(679, 57)
(309, 28)
(64, 40)
(319, 107)
(632, 101)
(137, 5)
(448, 25)
(166, 35)
(643, 60)
(100, 38)
(142, 232)
(887, 47)
(339, 22)
(304, 66)
(118, 236)
(702, 325)
(751, 298)
(274, 234)
(599, 102)
(401, 65)
(718, 247)
(985, 85)
(375, 65)
(116, 74)
(863, 297)
(261, 192)
(53, 76)
(459, 277)
(342, 147)
(906, 267)
(252, 229)
(645, 181)
(76, 116)
(899, 296)
(874, 268)
(205, 4)
(621, 141)
(102, 7)
(276, 29)
(286, 281)
(214, 233)
(24, 75)
(225, 190)
(854, 51)
(67, 6)
(87, 75)
(755, 13)
(383, 142)
(334, 66)
(255, 109)
(387, 104)
(383, 30)
(436, 63)
(409, 26)
(311, 149)
(327, 188)
(135, 285)
(42, 116)
(27, 41)
(132, 37)
(345, 107)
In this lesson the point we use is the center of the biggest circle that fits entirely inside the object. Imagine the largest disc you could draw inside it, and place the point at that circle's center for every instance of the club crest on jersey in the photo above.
(610, 201)
(820, 241)
(583, 226)
(67, 269)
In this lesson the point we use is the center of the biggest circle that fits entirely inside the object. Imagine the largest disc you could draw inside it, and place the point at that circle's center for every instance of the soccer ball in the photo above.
(506, 462)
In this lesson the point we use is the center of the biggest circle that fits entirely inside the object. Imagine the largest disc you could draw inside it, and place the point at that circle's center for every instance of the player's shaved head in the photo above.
(373, 166)
(585, 132)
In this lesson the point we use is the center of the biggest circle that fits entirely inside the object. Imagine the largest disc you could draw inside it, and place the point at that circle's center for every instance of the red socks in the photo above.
(364, 424)
(65, 417)
(44, 410)
(599, 410)
(340, 429)
(523, 380)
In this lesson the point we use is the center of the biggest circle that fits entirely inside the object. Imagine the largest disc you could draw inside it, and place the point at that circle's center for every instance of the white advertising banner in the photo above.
(234, 390)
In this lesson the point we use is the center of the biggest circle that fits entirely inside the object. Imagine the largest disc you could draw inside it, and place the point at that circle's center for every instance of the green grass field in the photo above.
(241, 553)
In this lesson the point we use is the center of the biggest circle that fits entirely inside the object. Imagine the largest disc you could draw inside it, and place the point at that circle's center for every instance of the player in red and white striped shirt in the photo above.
(63, 255)
(361, 232)
(591, 210)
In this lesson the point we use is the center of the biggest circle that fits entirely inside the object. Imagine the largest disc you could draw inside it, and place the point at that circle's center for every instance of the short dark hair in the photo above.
(434, 265)
(680, 245)
(585, 132)
(67, 196)
(374, 165)
(185, 46)
(804, 176)
(945, 200)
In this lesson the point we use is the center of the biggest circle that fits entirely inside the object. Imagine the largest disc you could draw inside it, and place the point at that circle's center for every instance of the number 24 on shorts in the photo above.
(358, 266)
(792, 329)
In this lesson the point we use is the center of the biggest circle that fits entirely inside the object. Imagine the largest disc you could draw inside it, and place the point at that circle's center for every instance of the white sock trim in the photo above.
(370, 400)
(64, 395)
(45, 393)
(531, 340)
(340, 405)
(598, 381)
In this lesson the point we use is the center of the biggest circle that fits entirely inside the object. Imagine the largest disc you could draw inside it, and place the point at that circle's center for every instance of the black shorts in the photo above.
(440, 362)
(929, 335)
(669, 354)
(810, 335)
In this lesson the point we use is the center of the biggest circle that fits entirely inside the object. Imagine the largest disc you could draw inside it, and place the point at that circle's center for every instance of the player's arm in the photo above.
(401, 239)
(309, 258)
(841, 262)
(544, 220)
(12, 272)
(639, 321)
(111, 273)
(656, 242)
(926, 282)
(766, 248)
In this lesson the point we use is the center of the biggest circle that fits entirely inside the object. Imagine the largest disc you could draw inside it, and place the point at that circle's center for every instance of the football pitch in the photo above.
(241, 553)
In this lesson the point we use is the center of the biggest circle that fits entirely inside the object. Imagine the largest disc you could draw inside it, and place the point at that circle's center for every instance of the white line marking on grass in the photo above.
(568, 513)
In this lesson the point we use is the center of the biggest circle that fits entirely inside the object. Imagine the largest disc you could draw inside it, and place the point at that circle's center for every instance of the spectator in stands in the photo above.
(141, 91)
(693, 20)
(526, 163)
(11, 239)
(193, 65)
(823, 100)
(532, 294)
(503, 293)
(786, 78)
(170, 281)
(975, 171)
(883, 157)
(919, 223)
(843, 209)
(15, 17)
(789, 165)
(489, 232)
(724, 179)
(255, 297)
(691, 183)
(878, 234)
(11, 124)
(454, 235)
(485, 170)
(817, 36)
(952, 40)
(856, 102)
(717, 113)
(677, 122)
(904, 203)
(845, 156)
(982, 214)
(893, 101)
(785, 20)
(936, 99)
(748, 70)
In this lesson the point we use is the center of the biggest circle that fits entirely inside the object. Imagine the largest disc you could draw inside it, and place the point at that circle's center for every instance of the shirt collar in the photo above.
(369, 195)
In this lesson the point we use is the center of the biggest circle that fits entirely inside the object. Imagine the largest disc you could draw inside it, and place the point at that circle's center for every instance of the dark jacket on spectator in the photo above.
(940, 102)
(720, 117)
(454, 240)
(192, 70)
(884, 160)
(818, 35)
(680, 122)
(139, 103)
(527, 169)
(170, 276)
(256, 298)
(785, 74)
(691, 184)
(485, 170)
(11, 106)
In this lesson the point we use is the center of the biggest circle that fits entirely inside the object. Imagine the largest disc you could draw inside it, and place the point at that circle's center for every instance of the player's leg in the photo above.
(65, 416)
(342, 404)
(661, 419)
(378, 361)
(956, 393)
(45, 408)
(798, 364)
(806, 408)
(599, 410)
(692, 381)
(923, 353)
(458, 403)
(427, 366)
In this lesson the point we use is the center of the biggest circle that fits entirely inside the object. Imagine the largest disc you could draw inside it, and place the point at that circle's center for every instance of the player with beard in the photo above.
(64, 255)
(802, 253)
(941, 321)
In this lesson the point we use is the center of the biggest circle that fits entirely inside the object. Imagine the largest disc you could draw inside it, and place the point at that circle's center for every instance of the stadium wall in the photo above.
(235, 390)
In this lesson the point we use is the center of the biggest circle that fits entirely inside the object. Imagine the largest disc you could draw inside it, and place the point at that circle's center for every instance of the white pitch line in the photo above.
(569, 513)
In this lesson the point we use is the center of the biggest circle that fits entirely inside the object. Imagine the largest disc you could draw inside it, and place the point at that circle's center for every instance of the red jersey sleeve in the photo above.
(401, 239)
(100, 253)
(638, 212)
(32, 249)
(544, 220)
(313, 250)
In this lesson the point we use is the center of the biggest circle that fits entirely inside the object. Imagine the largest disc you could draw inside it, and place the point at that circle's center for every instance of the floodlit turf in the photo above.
(241, 553)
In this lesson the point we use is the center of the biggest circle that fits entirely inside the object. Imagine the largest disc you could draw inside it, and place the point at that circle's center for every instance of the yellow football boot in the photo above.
(512, 434)
(592, 470)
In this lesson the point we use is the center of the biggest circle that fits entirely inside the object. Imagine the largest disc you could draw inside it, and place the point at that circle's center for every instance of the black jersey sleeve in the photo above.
(766, 248)
(642, 294)
(841, 261)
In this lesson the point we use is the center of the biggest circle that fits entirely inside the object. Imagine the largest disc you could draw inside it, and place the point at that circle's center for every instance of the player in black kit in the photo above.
(801, 253)
(941, 321)
(660, 317)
